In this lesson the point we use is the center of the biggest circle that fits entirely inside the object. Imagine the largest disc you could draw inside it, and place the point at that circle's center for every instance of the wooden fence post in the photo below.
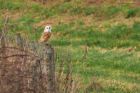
(3, 53)
(50, 69)
(37, 88)
(19, 41)
(3, 38)
(2, 33)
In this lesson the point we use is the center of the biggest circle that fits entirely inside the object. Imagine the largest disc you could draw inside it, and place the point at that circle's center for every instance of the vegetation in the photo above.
(109, 32)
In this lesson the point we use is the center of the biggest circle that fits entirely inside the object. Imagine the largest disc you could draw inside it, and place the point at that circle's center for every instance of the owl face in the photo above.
(48, 29)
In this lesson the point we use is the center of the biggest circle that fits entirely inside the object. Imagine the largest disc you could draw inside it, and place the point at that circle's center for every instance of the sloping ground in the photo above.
(74, 19)
(111, 32)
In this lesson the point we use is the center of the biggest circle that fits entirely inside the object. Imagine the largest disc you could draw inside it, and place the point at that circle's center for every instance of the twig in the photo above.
(22, 50)
(15, 55)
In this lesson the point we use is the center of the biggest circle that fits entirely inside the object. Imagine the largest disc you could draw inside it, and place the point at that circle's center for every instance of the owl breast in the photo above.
(45, 37)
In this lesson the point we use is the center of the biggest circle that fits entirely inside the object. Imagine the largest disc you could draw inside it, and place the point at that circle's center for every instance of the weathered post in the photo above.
(3, 54)
(20, 45)
(3, 39)
(36, 76)
(3, 36)
(19, 41)
(50, 69)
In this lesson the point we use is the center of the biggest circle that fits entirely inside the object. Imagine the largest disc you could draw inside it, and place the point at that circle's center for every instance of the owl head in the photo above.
(48, 28)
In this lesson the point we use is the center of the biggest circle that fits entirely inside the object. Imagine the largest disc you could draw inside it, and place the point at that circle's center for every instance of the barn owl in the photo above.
(46, 34)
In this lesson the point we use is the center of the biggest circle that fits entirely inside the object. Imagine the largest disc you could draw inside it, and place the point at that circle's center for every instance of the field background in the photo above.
(103, 38)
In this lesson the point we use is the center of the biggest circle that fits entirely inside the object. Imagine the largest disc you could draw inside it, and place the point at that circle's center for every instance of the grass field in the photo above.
(109, 32)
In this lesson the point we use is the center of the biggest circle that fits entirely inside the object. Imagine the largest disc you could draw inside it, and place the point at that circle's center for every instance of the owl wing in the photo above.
(45, 36)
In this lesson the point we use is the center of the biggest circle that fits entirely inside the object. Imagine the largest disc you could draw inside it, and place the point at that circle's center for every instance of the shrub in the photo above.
(131, 13)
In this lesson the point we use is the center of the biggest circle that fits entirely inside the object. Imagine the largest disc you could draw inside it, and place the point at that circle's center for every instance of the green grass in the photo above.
(117, 65)
(116, 36)
(11, 5)
(108, 58)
